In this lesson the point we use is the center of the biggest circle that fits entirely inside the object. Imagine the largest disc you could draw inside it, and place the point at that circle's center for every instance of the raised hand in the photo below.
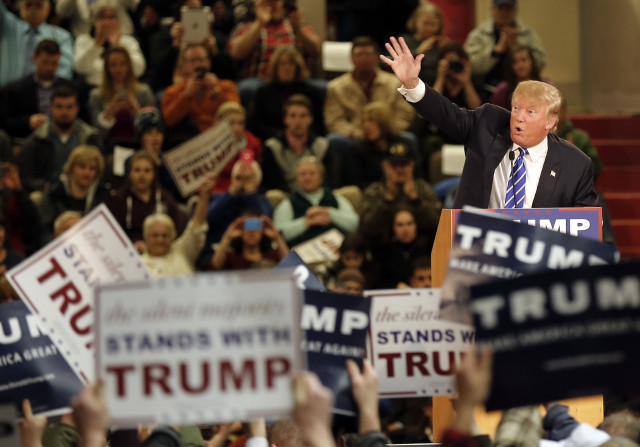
(403, 64)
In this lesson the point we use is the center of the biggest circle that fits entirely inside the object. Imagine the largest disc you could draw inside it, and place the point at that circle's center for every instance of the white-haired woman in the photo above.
(167, 256)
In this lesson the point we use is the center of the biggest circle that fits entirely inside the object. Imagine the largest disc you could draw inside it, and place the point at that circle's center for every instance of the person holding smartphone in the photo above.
(250, 239)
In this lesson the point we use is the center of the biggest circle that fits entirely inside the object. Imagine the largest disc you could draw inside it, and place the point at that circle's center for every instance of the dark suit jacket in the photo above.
(566, 179)
(19, 101)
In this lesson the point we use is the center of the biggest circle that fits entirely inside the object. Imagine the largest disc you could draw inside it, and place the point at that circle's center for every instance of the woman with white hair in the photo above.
(167, 256)
(106, 33)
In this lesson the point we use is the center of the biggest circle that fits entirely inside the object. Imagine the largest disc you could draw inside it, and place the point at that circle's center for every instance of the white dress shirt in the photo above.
(532, 163)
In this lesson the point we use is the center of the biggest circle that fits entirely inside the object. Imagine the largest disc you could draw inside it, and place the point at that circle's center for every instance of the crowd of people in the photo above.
(314, 154)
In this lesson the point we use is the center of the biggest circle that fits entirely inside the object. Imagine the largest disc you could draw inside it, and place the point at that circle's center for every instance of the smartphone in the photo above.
(253, 223)
(246, 155)
(456, 66)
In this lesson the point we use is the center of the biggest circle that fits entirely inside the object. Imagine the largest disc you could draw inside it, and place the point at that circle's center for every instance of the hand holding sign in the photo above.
(473, 382)
(312, 412)
(91, 415)
(31, 427)
(364, 386)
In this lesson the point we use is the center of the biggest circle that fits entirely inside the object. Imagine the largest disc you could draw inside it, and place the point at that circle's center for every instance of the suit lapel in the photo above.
(548, 178)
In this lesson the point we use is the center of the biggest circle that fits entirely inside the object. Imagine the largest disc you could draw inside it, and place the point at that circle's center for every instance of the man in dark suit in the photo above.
(25, 102)
(557, 173)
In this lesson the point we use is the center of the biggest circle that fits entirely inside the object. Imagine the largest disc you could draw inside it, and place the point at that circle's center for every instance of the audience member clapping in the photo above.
(89, 48)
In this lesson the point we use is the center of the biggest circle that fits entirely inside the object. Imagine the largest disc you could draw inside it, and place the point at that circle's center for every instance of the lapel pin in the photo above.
(553, 173)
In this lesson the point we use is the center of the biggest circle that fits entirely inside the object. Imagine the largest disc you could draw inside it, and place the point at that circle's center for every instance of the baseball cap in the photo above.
(399, 152)
(512, 3)
(147, 118)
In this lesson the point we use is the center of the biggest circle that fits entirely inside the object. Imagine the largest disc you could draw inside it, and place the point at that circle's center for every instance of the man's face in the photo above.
(529, 122)
(421, 278)
(64, 111)
(46, 65)
(194, 58)
(308, 177)
(397, 171)
(84, 172)
(34, 12)
(364, 59)
(504, 15)
(297, 120)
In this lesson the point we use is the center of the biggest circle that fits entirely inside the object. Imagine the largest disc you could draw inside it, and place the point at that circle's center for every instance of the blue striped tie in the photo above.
(517, 181)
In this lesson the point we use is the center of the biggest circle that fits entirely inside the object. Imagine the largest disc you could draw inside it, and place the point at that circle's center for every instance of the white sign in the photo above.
(210, 348)
(120, 156)
(414, 354)
(57, 283)
(324, 247)
(192, 162)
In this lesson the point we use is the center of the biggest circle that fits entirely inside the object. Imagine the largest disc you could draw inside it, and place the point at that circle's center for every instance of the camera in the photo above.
(456, 66)
(253, 223)
(201, 71)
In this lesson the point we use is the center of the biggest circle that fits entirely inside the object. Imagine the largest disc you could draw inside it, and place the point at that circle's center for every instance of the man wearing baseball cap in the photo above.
(489, 43)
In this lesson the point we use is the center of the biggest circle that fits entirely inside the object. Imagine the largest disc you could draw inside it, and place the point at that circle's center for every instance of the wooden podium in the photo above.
(589, 410)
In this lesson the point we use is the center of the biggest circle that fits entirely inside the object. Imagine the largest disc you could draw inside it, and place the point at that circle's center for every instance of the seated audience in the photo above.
(88, 53)
(79, 187)
(398, 188)
(350, 281)
(78, 12)
(114, 104)
(489, 43)
(282, 153)
(19, 37)
(249, 239)
(311, 209)
(425, 26)
(9, 258)
(24, 103)
(47, 149)
(380, 138)
(249, 147)
(253, 43)
(349, 93)
(196, 99)
(22, 220)
(241, 196)
(140, 197)
(287, 76)
(394, 255)
(165, 255)
(520, 66)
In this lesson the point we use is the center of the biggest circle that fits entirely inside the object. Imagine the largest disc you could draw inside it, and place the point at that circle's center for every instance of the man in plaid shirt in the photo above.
(252, 43)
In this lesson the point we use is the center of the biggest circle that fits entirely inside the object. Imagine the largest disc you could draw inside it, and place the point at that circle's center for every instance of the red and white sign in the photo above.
(57, 283)
(206, 154)
(209, 348)
(414, 353)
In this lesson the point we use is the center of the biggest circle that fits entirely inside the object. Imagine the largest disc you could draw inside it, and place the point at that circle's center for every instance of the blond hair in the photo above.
(84, 153)
(380, 113)
(427, 8)
(547, 93)
(160, 218)
(229, 107)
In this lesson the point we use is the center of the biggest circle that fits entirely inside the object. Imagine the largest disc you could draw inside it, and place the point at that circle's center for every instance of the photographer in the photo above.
(197, 98)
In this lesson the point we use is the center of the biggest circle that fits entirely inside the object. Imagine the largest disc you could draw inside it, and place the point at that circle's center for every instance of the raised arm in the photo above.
(403, 64)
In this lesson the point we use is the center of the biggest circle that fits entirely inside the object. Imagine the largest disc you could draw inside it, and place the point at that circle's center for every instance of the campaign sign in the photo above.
(584, 222)
(209, 348)
(31, 366)
(57, 282)
(336, 327)
(414, 354)
(305, 279)
(561, 334)
(193, 161)
(487, 248)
